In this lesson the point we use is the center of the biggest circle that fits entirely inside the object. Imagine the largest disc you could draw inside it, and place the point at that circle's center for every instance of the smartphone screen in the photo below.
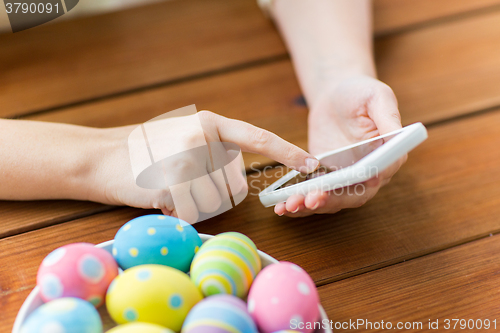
(339, 160)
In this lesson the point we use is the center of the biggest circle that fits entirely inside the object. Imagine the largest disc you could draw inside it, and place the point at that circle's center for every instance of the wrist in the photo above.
(98, 153)
(328, 76)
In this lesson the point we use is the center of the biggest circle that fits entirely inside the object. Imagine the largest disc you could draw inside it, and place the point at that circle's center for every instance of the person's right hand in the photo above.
(114, 183)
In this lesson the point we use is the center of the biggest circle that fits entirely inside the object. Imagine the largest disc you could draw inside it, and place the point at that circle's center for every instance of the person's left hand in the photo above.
(353, 110)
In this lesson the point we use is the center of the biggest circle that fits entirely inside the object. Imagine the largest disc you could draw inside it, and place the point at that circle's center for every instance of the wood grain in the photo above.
(91, 57)
(22, 216)
(433, 75)
(430, 78)
(391, 16)
(265, 96)
(445, 70)
(458, 283)
(447, 194)
(111, 54)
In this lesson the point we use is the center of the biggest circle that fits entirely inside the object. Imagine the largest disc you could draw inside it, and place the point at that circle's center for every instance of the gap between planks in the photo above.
(436, 21)
(162, 84)
(251, 64)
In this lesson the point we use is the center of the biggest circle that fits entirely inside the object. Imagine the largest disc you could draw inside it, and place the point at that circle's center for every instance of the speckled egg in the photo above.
(64, 315)
(76, 270)
(156, 239)
(140, 328)
(226, 264)
(219, 314)
(153, 294)
(282, 295)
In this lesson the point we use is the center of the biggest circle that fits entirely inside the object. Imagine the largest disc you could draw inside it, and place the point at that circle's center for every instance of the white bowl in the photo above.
(34, 299)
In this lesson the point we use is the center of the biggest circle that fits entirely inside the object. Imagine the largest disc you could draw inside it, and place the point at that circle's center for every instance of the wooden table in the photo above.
(425, 248)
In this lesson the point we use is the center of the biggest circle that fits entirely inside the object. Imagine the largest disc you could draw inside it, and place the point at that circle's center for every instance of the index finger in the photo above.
(253, 139)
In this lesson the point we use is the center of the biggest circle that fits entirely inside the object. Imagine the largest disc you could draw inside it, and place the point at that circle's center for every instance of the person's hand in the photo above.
(191, 187)
(353, 110)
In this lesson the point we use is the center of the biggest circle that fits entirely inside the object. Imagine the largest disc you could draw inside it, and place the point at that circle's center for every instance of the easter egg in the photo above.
(226, 264)
(64, 315)
(219, 314)
(282, 295)
(76, 270)
(156, 239)
(140, 328)
(153, 294)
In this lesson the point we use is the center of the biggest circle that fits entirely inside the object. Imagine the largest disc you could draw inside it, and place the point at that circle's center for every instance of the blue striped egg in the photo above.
(226, 264)
(66, 314)
(219, 314)
(156, 239)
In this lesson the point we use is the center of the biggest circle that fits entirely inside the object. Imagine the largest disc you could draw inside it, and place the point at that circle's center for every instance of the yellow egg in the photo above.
(153, 294)
(140, 327)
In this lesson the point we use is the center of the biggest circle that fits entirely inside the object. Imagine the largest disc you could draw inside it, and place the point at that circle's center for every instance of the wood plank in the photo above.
(391, 16)
(22, 216)
(447, 194)
(107, 54)
(445, 70)
(458, 283)
(154, 44)
(267, 90)
(385, 231)
(266, 95)
(432, 81)
(429, 87)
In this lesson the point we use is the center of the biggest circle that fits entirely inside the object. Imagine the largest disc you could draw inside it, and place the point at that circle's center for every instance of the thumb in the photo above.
(253, 139)
(383, 110)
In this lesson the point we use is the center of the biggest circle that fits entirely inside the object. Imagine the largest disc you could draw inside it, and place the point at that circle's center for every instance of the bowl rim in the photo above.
(33, 301)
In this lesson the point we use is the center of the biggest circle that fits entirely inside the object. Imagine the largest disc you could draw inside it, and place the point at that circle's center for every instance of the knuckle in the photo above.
(161, 199)
(385, 89)
(259, 138)
(290, 154)
(206, 115)
(360, 202)
(193, 137)
(182, 164)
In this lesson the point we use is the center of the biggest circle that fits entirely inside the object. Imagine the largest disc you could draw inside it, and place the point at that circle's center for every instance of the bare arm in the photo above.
(41, 160)
(329, 40)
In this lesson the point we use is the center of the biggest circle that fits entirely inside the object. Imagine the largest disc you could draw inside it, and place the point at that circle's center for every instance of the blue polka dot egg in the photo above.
(64, 315)
(153, 294)
(156, 239)
(219, 314)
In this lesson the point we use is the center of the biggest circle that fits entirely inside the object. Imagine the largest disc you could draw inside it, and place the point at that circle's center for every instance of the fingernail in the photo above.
(281, 214)
(311, 165)
(295, 211)
(315, 206)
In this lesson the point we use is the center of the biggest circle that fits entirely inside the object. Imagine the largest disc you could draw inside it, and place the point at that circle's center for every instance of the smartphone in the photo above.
(347, 166)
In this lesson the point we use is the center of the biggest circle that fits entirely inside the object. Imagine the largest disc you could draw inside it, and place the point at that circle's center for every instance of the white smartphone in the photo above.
(348, 165)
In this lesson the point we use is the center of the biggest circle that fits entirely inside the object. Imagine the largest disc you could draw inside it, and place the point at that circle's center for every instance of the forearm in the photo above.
(41, 160)
(328, 40)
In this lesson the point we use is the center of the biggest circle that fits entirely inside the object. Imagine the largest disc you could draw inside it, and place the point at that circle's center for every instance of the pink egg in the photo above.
(283, 296)
(76, 270)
